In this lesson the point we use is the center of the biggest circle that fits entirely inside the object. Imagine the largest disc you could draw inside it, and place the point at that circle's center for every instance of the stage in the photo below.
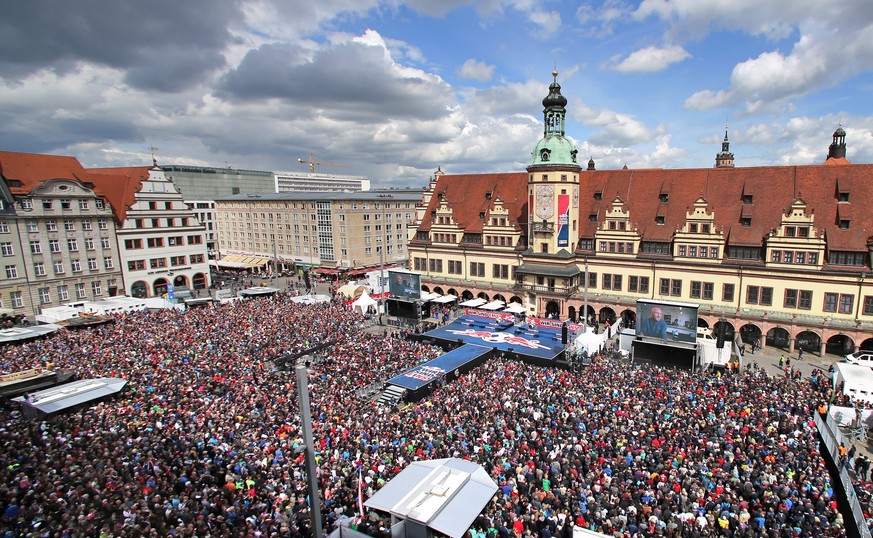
(532, 343)
(444, 368)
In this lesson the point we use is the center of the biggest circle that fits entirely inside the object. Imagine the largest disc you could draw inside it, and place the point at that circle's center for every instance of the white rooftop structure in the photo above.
(444, 495)
(313, 181)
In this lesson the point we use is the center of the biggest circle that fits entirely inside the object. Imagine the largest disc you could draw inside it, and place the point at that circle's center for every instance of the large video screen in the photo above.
(404, 285)
(671, 322)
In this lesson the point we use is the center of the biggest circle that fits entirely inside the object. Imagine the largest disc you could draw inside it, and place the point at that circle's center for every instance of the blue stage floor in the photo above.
(420, 376)
(539, 343)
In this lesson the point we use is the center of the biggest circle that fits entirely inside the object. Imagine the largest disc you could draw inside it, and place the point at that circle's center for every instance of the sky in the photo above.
(394, 89)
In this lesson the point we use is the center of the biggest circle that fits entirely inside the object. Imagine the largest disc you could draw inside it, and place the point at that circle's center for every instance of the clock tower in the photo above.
(553, 182)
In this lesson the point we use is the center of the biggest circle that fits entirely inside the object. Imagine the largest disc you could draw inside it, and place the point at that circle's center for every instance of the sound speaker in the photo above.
(720, 332)
(564, 333)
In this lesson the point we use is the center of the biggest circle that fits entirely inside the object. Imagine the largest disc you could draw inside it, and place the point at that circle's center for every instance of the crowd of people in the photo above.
(205, 440)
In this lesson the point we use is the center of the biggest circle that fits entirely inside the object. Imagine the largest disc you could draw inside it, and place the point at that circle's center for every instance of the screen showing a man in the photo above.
(404, 285)
(654, 325)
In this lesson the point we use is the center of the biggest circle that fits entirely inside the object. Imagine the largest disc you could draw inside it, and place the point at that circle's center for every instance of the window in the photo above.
(692, 251)
(72, 245)
(682, 250)
(477, 269)
(92, 264)
(4, 227)
(132, 244)
(651, 247)
(607, 282)
(747, 199)
(155, 242)
(195, 239)
(868, 305)
(104, 243)
(644, 284)
(846, 302)
(836, 257)
(696, 290)
(63, 293)
(727, 293)
(744, 253)
(98, 203)
(69, 225)
(83, 204)
(136, 265)
(102, 224)
(745, 222)
(45, 296)
(436, 266)
(844, 224)
(790, 299)
(196, 258)
(47, 205)
(6, 247)
(107, 262)
(89, 243)
(59, 267)
(805, 301)
(96, 288)
(11, 271)
(80, 291)
(676, 288)
(156, 263)
(665, 286)
(500, 271)
(633, 284)
(616, 282)
(77, 267)
(17, 301)
(759, 295)
(708, 290)
(39, 269)
(31, 226)
(776, 256)
(86, 225)
(26, 203)
(659, 220)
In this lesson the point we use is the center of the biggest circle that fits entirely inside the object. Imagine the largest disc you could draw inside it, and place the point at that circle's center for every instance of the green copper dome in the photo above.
(554, 149)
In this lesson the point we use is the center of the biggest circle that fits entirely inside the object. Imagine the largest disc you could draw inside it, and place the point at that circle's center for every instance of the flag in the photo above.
(360, 494)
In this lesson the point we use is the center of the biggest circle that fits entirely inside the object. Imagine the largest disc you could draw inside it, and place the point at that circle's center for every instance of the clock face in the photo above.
(545, 198)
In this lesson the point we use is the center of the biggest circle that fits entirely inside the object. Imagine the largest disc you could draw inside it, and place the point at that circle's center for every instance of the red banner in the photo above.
(502, 316)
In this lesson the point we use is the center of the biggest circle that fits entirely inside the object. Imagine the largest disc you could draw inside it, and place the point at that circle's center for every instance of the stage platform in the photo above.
(538, 344)
(448, 367)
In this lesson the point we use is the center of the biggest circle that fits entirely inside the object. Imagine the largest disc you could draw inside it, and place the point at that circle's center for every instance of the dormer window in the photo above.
(802, 231)
(664, 197)
(747, 199)
(692, 228)
(592, 217)
(790, 231)
(659, 220)
(705, 228)
(844, 224)
(481, 215)
(488, 195)
(598, 196)
(843, 197)
(544, 154)
(746, 222)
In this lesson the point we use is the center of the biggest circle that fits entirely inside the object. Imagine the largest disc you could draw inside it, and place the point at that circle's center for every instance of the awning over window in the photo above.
(326, 271)
(548, 270)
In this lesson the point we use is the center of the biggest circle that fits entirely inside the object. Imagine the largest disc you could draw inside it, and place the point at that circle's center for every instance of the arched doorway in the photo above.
(571, 313)
(180, 281)
(160, 286)
(591, 314)
(438, 290)
(483, 295)
(199, 281)
(607, 315)
(139, 289)
(453, 291)
(516, 299)
(629, 318)
(867, 345)
(702, 323)
(553, 310)
(728, 330)
(778, 337)
(808, 341)
(425, 288)
(499, 297)
(839, 344)
(466, 296)
(750, 333)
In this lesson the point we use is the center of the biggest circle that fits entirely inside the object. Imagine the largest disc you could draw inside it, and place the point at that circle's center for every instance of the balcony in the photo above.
(559, 291)
(544, 227)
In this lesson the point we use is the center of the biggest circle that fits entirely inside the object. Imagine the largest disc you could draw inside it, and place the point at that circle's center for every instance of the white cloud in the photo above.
(476, 70)
(652, 59)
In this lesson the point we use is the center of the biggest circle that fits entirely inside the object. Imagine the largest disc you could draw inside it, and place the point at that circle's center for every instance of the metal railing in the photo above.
(830, 434)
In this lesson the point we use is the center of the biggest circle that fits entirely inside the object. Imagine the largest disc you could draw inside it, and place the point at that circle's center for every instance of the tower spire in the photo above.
(724, 158)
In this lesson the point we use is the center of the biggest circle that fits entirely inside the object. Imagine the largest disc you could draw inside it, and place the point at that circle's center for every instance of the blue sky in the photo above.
(394, 89)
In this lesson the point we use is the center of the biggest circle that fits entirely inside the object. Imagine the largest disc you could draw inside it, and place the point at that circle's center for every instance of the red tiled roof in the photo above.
(122, 183)
(465, 194)
(29, 170)
(773, 189)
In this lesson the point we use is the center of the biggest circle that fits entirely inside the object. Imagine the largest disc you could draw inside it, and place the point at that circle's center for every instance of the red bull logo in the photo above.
(501, 338)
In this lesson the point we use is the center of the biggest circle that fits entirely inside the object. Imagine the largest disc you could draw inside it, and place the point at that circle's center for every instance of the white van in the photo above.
(705, 333)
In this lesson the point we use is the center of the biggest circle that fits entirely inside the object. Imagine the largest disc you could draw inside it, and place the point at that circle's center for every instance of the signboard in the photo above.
(171, 291)
(673, 322)
(563, 220)
(404, 285)
(500, 316)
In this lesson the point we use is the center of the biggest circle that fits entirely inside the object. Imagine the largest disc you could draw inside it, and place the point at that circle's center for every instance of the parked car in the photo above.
(861, 358)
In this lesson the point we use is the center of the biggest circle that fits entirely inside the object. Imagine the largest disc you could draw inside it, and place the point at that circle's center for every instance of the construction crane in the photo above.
(313, 162)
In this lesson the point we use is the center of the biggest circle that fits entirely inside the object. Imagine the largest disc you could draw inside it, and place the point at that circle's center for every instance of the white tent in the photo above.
(445, 299)
(363, 303)
(590, 341)
(493, 305)
(473, 303)
(515, 308)
(429, 296)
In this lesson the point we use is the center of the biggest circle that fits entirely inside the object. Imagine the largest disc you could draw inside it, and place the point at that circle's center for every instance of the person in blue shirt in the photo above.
(654, 325)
